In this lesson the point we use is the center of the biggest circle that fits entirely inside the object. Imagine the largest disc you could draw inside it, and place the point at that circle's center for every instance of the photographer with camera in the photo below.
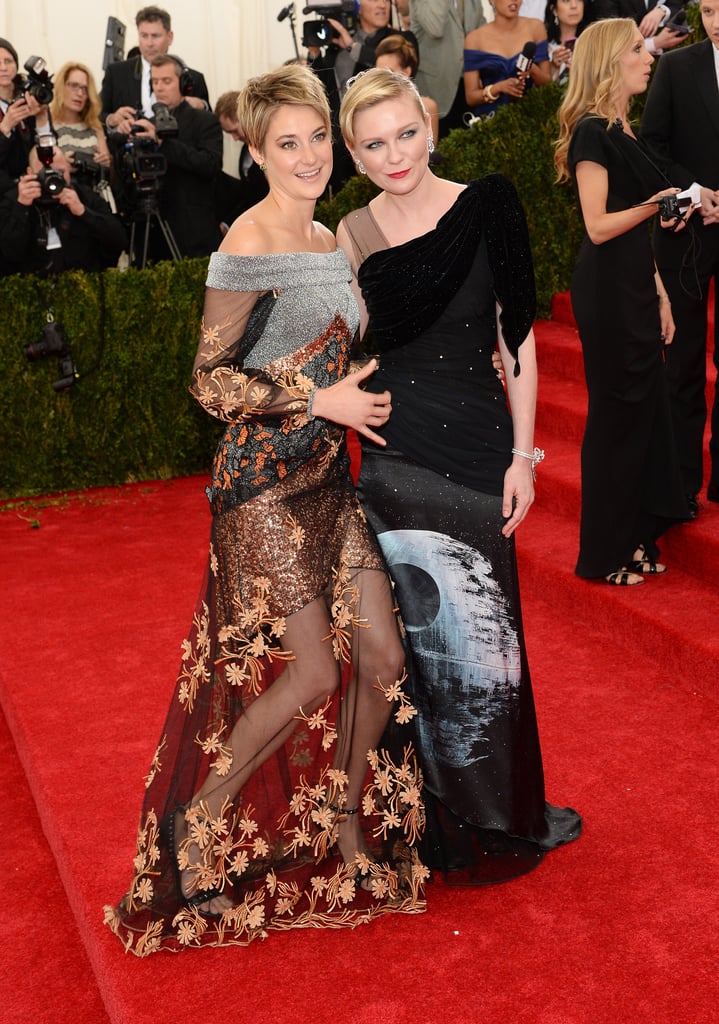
(188, 143)
(340, 45)
(22, 99)
(75, 121)
(50, 223)
(127, 87)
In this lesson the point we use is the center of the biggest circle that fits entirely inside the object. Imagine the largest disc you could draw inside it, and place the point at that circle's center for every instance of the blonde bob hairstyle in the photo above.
(290, 85)
(370, 88)
(595, 80)
(90, 113)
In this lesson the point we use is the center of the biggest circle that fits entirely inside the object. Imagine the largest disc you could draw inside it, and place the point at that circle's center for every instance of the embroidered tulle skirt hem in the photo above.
(475, 730)
(293, 664)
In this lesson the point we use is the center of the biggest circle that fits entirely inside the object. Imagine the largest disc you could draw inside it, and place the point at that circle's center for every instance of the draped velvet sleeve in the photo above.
(235, 315)
(406, 287)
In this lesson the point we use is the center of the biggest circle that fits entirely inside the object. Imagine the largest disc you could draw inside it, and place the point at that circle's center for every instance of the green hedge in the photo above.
(134, 333)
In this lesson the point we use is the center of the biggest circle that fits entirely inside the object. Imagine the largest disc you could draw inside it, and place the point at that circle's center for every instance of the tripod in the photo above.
(145, 212)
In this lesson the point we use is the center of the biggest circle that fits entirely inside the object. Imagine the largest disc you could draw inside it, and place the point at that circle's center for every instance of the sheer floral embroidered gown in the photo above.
(293, 665)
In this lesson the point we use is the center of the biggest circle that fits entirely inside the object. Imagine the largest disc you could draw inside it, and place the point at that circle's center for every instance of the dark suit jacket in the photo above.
(122, 85)
(235, 195)
(91, 242)
(681, 117)
(187, 196)
(635, 9)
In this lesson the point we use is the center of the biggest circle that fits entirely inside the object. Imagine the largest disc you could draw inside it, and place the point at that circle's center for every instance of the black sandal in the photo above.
(361, 875)
(202, 896)
(646, 566)
(621, 578)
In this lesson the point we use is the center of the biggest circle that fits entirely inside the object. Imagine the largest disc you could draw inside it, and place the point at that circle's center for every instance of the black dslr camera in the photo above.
(85, 166)
(319, 31)
(52, 182)
(37, 82)
(165, 124)
(53, 343)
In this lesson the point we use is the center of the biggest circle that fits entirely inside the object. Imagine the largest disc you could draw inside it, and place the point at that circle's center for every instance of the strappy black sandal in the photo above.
(645, 565)
(361, 877)
(203, 896)
(622, 577)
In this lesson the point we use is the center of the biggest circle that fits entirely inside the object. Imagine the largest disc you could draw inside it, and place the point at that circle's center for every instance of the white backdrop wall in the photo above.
(228, 40)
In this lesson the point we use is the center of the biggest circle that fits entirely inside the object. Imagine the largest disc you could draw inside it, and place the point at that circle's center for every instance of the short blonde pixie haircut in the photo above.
(370, 88)
(289, 85)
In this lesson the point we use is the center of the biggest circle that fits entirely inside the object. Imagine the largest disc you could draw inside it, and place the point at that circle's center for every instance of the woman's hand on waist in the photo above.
(349, 405)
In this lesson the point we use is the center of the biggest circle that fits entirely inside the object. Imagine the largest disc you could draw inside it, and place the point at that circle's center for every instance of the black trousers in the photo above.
(688, 261)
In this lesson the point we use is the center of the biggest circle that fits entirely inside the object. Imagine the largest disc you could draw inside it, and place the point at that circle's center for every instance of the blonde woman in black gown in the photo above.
(271, 803)
(455, 480)
(631, 487)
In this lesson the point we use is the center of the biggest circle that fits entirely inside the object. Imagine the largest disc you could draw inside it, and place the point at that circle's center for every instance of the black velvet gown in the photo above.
(631, 484)
(434, 498)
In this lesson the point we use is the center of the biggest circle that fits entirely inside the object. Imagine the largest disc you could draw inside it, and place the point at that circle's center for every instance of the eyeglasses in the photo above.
(76, 86)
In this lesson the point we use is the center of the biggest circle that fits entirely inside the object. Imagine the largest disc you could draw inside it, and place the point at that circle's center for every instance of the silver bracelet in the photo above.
(534, 457)
(310, 400)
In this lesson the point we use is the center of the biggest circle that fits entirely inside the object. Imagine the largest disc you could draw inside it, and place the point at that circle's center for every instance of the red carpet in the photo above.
(618, 927)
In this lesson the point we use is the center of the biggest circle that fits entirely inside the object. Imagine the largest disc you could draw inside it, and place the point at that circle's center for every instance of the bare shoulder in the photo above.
(451, 189)
(324, 237)
(248, 236)
(537, 28)
(473, 40)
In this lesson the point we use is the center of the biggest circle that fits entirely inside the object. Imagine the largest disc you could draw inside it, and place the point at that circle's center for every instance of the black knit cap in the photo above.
(5, 45)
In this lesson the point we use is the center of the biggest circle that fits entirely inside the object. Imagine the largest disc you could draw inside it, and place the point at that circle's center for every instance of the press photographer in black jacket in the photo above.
(50, 223)
(194, 161)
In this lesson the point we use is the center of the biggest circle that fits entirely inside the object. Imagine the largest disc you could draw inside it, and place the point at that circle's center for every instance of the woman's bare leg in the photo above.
(305, 683)
(378, 657)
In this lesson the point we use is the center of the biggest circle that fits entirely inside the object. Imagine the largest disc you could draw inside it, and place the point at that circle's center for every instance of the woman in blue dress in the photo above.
(492, 77)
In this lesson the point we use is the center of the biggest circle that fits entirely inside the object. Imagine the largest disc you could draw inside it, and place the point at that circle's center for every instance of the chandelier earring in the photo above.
(430, 144)
(361, 167)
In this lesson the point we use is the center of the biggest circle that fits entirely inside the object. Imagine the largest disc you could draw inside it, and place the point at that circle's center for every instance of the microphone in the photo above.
(285, 12)
(526, 57)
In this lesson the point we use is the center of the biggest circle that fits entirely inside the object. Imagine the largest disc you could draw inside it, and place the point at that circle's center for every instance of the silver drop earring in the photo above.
(430, 144)
(361, 167)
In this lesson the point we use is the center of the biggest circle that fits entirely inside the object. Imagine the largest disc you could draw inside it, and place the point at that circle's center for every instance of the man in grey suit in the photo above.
(441, 27)
(681, 124)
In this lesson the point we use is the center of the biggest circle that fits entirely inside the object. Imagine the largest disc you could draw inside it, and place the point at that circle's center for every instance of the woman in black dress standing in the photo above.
(631, 486)
(445, 274)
